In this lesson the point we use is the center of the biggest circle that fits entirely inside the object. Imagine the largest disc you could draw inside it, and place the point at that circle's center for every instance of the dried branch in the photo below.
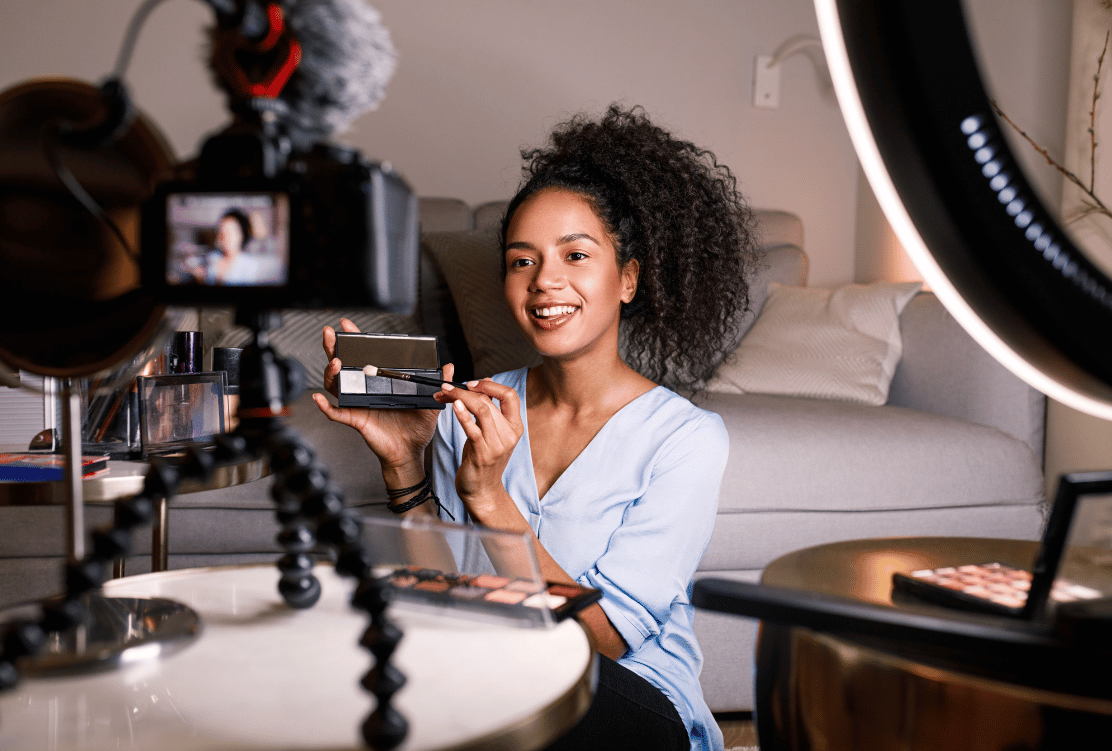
(1093, 117)
(1069, 174)
(1084, 210)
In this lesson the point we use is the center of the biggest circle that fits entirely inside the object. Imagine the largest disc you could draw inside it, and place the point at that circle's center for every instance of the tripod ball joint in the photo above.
(300, 592)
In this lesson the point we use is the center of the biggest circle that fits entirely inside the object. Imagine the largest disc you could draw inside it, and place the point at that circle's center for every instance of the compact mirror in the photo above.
(69, 294)
(935, 155)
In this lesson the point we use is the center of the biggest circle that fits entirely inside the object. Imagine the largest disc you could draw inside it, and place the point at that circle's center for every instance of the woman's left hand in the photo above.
(493, 431)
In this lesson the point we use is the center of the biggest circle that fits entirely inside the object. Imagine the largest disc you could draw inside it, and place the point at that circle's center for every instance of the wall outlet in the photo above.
(766, 83)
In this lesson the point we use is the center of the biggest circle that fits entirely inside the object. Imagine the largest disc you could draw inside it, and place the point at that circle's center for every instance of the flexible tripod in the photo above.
(309, 508)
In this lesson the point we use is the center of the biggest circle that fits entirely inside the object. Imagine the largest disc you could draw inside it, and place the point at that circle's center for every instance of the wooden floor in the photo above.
(737, 729)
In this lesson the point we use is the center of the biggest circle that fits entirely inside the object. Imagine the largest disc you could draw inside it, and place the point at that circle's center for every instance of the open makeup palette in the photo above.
(989, 587)
(469, 571)
(1001, 589)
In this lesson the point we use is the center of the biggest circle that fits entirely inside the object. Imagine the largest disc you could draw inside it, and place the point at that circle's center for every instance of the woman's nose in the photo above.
(548, 275)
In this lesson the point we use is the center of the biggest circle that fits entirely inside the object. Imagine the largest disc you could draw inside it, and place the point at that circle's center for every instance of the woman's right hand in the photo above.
(397, 436)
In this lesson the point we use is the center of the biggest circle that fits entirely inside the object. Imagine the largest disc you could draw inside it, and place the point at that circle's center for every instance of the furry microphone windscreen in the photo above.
(347, 58)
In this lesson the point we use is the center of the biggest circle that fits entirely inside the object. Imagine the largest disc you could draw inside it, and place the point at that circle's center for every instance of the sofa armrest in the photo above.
(944, 371)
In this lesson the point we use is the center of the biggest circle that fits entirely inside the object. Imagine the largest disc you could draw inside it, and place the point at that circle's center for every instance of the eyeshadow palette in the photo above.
(409, 354)
(500, 597)
(988, 587)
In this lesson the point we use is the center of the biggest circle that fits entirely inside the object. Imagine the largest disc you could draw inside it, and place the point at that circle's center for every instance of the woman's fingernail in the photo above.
(472, 384)
(458, 407)
(447, 387)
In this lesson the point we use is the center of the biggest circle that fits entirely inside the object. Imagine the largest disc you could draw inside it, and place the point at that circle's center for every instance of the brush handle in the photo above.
(399, 376)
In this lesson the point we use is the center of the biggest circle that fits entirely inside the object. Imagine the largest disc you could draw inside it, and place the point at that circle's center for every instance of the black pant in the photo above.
(627, 712)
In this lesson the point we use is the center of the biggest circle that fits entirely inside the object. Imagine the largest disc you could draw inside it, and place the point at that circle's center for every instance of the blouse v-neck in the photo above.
(528, 445)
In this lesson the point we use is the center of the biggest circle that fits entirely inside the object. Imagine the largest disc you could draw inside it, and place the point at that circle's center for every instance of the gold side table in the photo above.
(843, 691)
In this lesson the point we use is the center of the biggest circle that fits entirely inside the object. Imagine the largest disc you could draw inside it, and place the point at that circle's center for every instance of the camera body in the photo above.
(320, 229)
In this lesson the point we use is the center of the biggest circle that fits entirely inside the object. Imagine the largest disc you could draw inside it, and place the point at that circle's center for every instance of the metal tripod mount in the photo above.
(309, 508)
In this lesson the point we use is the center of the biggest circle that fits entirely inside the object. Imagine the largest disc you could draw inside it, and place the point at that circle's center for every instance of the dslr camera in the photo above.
(260, 228)
(260, 225)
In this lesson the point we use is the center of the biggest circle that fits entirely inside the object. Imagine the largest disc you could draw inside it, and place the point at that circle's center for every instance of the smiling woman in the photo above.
(614, 478)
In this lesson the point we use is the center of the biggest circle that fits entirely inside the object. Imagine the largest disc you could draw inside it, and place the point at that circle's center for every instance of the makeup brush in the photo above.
(372, 371)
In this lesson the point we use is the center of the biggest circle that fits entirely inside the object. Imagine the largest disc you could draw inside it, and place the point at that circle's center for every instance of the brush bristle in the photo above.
(370, 370)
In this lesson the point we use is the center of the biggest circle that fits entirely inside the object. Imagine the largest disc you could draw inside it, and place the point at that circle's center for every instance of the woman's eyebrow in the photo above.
(523, 245)
(577, 236)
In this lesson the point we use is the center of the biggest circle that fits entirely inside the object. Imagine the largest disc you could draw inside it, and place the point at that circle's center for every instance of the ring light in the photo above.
(910, 91)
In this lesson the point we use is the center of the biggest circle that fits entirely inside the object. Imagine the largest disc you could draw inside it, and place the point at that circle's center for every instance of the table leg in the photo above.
(71, 442)
(160, 554)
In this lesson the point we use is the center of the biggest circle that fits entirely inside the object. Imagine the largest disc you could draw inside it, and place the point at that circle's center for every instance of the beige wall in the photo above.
(477, 79)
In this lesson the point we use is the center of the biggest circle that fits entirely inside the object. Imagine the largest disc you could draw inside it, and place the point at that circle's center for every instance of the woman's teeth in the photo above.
(557, 310)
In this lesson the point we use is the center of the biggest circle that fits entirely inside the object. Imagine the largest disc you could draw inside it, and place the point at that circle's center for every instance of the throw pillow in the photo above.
(839, 344)
(469, 262)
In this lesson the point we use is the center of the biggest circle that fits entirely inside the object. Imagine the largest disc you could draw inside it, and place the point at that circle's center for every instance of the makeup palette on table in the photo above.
(469, 571)
(501, 597)
(987, 587)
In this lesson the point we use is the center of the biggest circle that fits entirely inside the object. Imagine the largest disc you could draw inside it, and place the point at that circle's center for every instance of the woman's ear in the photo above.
(630, 273)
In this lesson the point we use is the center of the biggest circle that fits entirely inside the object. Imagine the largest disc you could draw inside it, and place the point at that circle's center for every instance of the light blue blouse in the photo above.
(632, 516)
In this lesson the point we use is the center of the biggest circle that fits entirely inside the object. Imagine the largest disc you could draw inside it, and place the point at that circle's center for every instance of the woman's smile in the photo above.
(551, 317)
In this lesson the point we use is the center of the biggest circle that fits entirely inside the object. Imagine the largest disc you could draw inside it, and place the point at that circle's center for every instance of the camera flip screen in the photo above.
(228, 239)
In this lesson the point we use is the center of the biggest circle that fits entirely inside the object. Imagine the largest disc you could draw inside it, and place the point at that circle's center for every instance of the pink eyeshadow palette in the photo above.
(988, 587)
(500, 597)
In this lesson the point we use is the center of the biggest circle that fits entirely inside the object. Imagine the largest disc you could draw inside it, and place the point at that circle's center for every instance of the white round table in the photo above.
(264, 676)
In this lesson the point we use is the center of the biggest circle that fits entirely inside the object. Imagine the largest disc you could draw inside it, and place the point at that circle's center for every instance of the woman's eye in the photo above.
(577, 255)
(519, 262)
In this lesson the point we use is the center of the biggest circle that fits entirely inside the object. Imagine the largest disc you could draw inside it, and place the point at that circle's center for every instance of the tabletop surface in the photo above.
(264, 676)
(862, 569)
(123, 479)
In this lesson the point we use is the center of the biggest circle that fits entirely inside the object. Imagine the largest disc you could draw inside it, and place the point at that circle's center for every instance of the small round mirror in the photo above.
(70, 296)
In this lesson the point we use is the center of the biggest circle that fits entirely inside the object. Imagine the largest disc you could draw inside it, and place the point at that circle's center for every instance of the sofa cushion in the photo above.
(752, 540)
(783, 264)
(796, 454)
(471, 265)
(489, 215)
(775, 227)
(828, 344)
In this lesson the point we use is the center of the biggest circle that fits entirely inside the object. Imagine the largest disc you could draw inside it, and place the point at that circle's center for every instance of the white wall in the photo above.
(478, 79)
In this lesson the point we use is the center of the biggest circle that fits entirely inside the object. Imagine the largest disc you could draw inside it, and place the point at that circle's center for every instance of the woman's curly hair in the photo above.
(671, 206)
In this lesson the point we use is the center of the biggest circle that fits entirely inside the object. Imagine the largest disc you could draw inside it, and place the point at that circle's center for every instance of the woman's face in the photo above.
(563, 283)
(229, 236)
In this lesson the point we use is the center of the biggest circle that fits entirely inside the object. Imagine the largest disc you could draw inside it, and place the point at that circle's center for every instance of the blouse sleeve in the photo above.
(444, 466)
(650, 560)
